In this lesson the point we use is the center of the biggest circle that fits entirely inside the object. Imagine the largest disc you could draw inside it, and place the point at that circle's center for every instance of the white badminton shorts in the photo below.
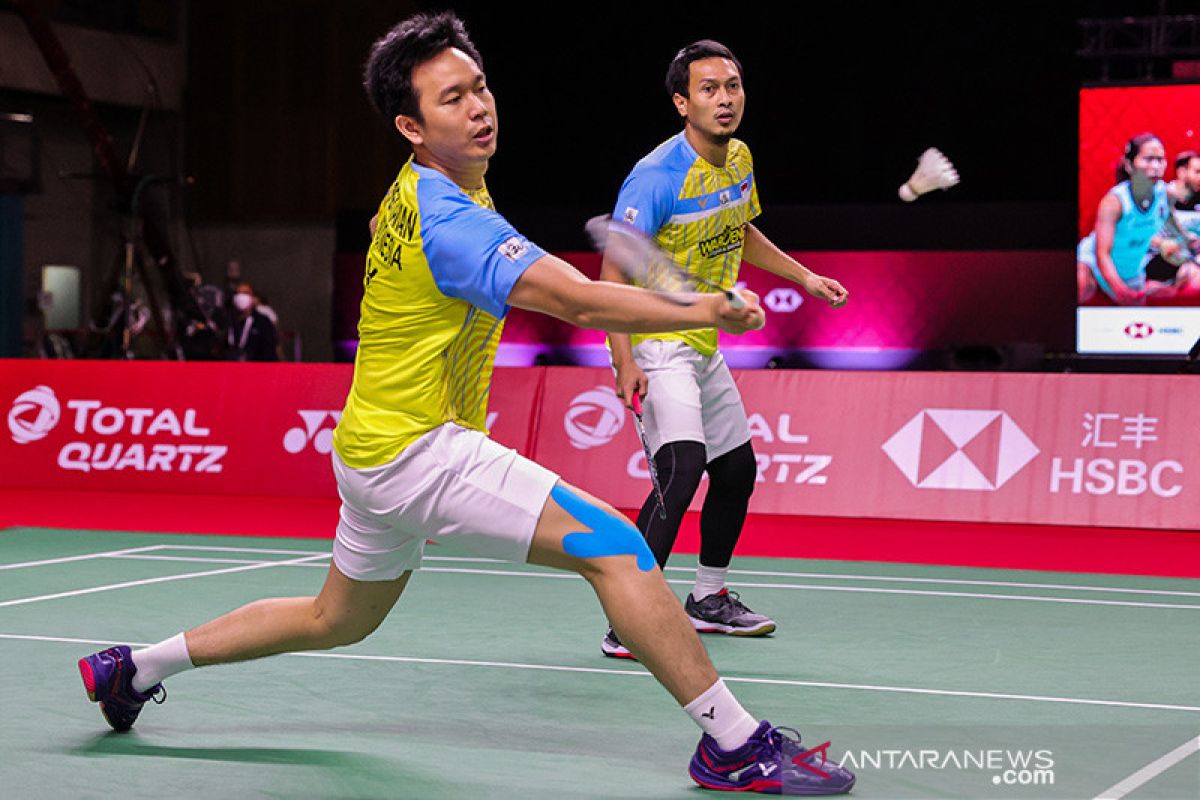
(453, 484)
(690, 397)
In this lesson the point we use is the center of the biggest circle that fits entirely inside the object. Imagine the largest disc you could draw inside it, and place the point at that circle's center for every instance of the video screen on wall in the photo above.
(1138, 256)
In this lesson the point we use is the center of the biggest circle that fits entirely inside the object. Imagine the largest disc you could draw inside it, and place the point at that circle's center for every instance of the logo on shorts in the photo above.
(1139, 330)
(594, 418)
(33, 415)
(630, 215)
(321, 438)
(953, 448)
(513, 248)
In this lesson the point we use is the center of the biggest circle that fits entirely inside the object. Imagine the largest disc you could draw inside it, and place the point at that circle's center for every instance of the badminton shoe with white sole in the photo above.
(724, 612)
(108, 679)
(611, 646)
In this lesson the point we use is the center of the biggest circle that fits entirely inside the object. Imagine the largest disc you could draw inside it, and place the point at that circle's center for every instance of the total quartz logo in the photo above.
(955, 448)
(33, 415)
(107, 437)
(594, 418)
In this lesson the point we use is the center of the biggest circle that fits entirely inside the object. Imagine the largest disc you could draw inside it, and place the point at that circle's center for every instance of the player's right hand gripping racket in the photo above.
(642, 262)
(641, 429)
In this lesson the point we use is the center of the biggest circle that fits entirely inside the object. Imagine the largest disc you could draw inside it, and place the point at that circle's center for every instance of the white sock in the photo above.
(160, 661)
(709, 580)
(722, 717)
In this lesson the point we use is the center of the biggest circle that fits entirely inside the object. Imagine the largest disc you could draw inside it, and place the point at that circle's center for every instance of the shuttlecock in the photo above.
(934, 171)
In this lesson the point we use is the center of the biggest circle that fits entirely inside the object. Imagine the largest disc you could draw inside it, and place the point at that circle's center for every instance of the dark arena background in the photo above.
(976, 516)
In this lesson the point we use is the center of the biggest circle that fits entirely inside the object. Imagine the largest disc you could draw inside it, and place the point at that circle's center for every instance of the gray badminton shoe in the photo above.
(724, 612)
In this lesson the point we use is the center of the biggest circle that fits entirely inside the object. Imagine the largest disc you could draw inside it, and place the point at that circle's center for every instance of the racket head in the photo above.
(640, 260)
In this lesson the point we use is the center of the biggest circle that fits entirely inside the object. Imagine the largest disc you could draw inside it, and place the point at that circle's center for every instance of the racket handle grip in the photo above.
(735, 299)
(636, 402)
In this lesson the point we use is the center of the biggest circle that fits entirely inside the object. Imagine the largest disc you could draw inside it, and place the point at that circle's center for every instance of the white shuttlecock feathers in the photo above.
(934, 171)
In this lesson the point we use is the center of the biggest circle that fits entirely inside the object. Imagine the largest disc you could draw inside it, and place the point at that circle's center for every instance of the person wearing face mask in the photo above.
(252, 335)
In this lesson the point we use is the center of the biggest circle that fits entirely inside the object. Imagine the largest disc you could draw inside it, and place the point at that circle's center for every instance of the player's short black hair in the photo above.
(677, 73)
(1132, 148)
(1183, 159)
(388, 73)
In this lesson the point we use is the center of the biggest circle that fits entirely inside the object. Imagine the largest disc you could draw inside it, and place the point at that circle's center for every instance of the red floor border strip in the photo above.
(1121, 551)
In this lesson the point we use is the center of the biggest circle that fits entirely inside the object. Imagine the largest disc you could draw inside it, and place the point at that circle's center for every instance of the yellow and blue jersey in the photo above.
(438, 275)
(696, 213)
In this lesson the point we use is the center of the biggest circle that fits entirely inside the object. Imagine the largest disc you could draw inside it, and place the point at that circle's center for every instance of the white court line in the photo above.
(640, 672)
(215, 549)
(211, 560)
(85, 557)
(1150, 771)
(779, 574)
(855, 589)
(163, 579)
(956, 582)
(736, 584)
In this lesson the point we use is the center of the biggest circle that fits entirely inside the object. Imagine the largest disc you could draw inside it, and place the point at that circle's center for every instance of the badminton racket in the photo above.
(641, 261)
(641, 430)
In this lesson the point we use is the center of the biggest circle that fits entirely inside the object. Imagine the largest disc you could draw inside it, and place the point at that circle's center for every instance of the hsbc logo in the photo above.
(783, 300)
(1139, 330)
(951, 448)
(594, 418)
(33, 415)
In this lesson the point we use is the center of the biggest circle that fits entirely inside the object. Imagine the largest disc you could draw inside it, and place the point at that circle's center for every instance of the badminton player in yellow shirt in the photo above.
(696, 195)
(413, 460)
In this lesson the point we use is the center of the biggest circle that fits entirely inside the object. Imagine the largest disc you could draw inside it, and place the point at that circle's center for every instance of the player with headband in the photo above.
(411, 453)
(696, 195)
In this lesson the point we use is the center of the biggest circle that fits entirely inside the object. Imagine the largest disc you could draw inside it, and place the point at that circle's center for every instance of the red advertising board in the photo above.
(1046, 449)
(1116, 451)
(196, 428)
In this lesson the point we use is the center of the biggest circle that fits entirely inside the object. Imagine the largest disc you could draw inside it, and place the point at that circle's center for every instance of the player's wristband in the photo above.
(907, 194)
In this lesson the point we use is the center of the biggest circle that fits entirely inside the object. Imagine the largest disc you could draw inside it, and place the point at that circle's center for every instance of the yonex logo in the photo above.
(764, 768)
(951, 448)
(296, 439)
(33, 415)
(783, 300)
(631, 215)
(1139, 330)
(594, 418)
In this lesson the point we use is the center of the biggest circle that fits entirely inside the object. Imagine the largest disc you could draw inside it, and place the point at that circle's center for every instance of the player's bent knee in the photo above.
(346, 633)
(603, 533)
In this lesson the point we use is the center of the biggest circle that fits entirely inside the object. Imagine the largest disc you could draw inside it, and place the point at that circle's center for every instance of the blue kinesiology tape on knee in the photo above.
(609, 535)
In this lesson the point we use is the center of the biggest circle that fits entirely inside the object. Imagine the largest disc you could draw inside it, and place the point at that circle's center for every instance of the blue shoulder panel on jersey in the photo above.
(648, 196)
(473, 253)
(609, 535)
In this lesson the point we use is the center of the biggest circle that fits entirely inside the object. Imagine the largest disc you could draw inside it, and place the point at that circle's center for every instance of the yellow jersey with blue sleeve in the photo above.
(438, 275)
(696, 213)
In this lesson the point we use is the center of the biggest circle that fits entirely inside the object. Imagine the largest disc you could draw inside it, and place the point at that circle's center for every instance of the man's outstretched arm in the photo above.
(552, 286)
(762, 253)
